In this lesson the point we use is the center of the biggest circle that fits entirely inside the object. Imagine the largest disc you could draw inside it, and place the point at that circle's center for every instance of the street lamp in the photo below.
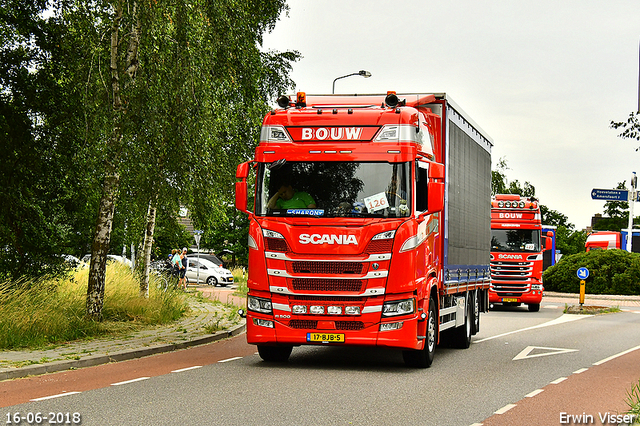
(365, 74)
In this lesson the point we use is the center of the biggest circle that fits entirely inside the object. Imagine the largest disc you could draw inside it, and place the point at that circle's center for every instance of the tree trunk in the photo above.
(104, 222)
(100, 247)
(146, 248)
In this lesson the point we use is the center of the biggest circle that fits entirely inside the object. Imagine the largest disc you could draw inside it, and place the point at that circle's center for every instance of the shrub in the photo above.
(610, 272)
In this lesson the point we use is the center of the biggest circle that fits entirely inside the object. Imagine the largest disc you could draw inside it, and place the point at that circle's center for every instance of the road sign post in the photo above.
(630, 195)
(610, 194)
(583, 274)
(197, 236)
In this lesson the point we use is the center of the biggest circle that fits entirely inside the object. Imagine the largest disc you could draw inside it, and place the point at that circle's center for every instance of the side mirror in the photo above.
(242, 313)
(436, 197)
(241, 187)
(436, 188)
(548, 241)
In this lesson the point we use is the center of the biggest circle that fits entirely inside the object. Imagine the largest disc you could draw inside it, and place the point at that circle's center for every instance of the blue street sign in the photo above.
(583, 273)
(610, 194)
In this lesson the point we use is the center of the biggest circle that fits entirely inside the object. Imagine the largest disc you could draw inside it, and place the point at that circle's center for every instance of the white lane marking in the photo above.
(550, 351)
(602, 361)
(187, 369)
(560, 320)
(534, 393)
(231, 359)
(560, 380)
(54, 396)
(505, 409)
(582, 370)
(130, 381)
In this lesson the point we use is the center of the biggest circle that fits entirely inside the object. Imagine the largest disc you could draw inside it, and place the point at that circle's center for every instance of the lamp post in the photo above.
(365, 74)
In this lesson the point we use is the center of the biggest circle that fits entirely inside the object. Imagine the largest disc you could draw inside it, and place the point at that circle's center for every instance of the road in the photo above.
(516, 355)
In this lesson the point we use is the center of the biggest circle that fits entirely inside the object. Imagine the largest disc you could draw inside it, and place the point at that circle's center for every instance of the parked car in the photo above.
(86, 259)
(208, 272)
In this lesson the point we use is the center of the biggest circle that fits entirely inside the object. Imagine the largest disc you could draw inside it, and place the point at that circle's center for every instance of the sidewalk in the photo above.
(189, 331)
(591, 299)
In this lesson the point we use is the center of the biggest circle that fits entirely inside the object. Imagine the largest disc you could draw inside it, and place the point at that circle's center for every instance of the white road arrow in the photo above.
(527, 352)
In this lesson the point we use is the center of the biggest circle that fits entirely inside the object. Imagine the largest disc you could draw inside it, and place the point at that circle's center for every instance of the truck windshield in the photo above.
(333, 189)
(515, 240)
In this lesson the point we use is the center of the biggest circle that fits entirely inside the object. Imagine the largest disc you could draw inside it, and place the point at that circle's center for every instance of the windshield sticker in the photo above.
(376, 202)
(306, 212)
(530, 247)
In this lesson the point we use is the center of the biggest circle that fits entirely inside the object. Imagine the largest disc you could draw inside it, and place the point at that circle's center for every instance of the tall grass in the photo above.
(50, 311)
(633, 400)
(240, 278)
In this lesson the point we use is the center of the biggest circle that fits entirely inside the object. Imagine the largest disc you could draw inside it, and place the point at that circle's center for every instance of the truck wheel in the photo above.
(534, 307)
(461, 336)
(423, 358)
(274, 353)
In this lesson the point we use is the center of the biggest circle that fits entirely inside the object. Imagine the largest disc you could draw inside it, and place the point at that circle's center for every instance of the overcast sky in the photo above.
(543, 79)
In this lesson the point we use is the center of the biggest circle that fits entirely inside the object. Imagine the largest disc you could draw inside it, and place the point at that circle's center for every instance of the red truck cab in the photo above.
(358, 226)
(516, 251)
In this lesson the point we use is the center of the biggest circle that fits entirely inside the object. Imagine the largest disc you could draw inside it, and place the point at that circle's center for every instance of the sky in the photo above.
(544, 79)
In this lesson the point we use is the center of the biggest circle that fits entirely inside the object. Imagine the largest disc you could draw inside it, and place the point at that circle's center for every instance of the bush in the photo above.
(610, 272)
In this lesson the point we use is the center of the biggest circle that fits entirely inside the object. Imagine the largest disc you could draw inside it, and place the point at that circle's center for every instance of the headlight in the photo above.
(387, 235)
(258, 304)
(398, 307)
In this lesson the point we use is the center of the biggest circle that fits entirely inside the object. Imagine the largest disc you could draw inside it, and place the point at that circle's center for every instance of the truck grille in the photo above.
(310, 324)
(313, 325)
(329, 299)
(511, 278)
(313, 284)
(349, 325)
(327, 267)
(511, 271)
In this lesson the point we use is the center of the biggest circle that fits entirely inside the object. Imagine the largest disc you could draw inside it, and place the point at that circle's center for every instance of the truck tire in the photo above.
(274, 353)
(424, 357)
(461, 336)
(534, 307)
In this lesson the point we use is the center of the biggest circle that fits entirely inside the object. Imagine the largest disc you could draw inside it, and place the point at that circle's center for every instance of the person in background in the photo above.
(175, 260)
(184, 261)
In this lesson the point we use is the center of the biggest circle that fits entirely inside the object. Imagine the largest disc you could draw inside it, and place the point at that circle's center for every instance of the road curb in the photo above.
(90, 361)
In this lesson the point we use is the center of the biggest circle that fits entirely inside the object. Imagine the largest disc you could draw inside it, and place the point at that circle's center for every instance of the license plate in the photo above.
(507, 299)
(325, 337)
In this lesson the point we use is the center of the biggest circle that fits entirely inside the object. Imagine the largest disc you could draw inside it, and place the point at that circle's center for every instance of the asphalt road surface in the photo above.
(514, 366)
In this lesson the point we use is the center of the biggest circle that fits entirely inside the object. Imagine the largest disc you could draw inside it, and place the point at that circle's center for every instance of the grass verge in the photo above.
(39, 313)
(633, 400)
(590, 310)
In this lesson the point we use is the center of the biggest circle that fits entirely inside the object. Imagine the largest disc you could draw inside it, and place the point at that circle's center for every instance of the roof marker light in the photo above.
(301, 99)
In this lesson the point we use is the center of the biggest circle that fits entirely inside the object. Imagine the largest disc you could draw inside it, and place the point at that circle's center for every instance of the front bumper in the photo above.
(369, 335)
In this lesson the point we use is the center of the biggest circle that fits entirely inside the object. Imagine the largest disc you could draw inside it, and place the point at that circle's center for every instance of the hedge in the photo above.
(610, 272)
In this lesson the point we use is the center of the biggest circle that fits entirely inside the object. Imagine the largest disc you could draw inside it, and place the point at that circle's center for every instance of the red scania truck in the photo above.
(369, 225)
(516, 251)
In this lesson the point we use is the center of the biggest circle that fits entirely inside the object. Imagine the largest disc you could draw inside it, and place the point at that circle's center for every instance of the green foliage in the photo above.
(49, 311)
(630, 128)
(190, 107)
(568, 240)
(633, 400)
(610, 272)
(501, 185)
